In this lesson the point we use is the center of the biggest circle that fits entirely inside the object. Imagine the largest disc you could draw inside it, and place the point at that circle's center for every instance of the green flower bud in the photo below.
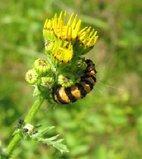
(31, 76)
(41, 66)
(47, 81)
(64, 81)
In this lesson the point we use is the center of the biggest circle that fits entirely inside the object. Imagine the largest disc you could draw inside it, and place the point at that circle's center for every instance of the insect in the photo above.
(66, 95)
(26, 127)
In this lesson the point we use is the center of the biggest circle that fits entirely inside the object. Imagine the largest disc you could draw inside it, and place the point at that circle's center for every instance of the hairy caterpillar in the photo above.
(66, 95)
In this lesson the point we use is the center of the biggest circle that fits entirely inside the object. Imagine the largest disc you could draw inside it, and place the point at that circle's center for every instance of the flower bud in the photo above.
(41, 66)
(64, 81)
(31, 76)
(47, 81)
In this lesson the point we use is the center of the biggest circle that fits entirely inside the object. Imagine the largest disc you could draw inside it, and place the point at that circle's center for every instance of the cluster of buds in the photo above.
(65, 43)
(40, 73)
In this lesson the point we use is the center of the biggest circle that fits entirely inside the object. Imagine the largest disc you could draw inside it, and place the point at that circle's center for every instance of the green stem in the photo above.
(28, 118)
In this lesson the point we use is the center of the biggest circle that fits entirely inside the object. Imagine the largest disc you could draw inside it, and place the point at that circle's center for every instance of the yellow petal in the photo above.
(69, 21)
(74, 22)
(91, 33)
(69, 33)
(77, 28)
(88, 30)
(61, 15)
(83, 30)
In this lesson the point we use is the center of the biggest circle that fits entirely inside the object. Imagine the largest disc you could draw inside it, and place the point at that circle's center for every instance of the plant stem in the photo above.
(28, 118)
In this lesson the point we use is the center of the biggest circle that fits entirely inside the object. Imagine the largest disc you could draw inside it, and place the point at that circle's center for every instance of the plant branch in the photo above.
(28, 118)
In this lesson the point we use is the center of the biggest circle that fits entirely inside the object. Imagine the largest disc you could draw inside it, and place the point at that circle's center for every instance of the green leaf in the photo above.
(40, 137)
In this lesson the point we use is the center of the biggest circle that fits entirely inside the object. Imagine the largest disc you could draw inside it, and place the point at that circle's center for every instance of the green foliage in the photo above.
(40, 137)
(107, 124)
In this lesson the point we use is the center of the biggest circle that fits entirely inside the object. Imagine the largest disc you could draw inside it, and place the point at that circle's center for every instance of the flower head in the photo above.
(61, 50)
(41, 66)
(69, 30)
(87, 36)
(66, 30)
(47, 81)
(31, 76)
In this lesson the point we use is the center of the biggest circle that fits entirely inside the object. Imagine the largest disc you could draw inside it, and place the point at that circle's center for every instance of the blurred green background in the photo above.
(107, 124)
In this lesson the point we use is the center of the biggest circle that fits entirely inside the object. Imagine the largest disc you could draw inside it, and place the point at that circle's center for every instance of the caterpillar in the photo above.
(66, 95)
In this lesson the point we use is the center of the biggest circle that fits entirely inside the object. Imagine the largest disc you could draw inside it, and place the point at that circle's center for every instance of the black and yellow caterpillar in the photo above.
(66, 95)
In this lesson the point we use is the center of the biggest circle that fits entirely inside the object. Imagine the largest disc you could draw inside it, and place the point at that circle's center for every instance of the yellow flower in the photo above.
(88, 36)
(70, 30)
(64, 30)
(61, 50)
(63, 35)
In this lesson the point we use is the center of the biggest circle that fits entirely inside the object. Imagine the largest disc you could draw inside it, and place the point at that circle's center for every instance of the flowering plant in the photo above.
(65, 43)
(62, 76)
